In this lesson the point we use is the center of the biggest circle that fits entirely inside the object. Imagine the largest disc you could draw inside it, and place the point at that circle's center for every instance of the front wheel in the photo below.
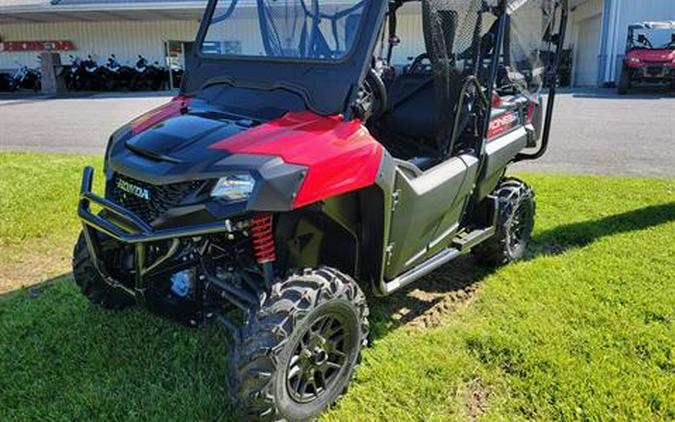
(92, 285)
(624, 82)
(300, 348)
(514, 226)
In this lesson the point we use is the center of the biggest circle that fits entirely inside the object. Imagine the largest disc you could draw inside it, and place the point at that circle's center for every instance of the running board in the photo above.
(460, 246)
(464, 242)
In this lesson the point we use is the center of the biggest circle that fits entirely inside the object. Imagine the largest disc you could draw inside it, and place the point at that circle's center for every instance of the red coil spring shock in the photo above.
(263, 239)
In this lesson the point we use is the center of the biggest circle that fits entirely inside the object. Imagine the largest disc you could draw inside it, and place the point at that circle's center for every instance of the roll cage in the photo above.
(469, 64)
(643, 41)
(304, 74)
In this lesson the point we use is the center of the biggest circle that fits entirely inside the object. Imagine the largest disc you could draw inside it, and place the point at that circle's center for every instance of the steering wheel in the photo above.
(373, 98)
(416, 65)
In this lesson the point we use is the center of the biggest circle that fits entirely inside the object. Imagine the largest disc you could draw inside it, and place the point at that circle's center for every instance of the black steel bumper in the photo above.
(130, 229)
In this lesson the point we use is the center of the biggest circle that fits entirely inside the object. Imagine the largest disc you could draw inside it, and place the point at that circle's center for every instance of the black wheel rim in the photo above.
(519, 227)
(318, 358)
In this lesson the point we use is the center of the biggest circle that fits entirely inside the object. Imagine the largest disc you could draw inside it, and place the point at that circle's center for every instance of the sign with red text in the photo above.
(16, 46)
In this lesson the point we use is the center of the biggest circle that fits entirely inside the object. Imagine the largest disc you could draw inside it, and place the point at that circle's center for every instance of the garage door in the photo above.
(586, 73)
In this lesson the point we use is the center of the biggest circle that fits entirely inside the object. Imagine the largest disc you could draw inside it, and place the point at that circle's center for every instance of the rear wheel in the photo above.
(92, 285)
(514, 227)
(300, 348)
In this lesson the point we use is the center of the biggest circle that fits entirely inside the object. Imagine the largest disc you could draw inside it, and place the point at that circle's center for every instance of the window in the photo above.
(294, 29)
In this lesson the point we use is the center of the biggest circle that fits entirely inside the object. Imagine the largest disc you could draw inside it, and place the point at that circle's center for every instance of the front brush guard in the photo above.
(133, 231)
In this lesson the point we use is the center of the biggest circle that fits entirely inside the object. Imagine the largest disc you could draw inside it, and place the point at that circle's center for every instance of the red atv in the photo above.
(649, 61)
(299, 168)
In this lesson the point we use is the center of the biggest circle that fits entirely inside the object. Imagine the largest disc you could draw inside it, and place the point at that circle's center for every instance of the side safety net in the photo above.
(452, 37)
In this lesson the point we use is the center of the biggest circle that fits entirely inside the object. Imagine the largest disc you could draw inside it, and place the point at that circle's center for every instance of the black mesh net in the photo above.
(451, 34)
(529, 52)
(450, 31)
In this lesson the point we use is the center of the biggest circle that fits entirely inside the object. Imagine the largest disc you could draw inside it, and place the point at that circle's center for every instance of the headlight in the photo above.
(635, 60)
(234, 187)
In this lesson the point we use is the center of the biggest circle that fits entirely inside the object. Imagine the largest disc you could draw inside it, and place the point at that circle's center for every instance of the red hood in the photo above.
(340, 156)
(652, 55)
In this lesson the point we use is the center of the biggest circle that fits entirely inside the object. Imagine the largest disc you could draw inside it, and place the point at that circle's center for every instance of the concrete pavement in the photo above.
(595, 131)
(80, 125)
(598, 132)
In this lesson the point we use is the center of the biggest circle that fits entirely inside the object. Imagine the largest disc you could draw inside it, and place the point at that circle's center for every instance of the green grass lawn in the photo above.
(584, 329)
(38, 222)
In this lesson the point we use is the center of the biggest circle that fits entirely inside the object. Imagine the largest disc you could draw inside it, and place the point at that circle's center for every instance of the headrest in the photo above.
(439, 22)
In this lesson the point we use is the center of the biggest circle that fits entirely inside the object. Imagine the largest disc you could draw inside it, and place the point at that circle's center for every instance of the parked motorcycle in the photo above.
(89, 79)
(149, 77)
(119, 76)
(4, 81)
(114, 76)
(75, 75)
(24, 78)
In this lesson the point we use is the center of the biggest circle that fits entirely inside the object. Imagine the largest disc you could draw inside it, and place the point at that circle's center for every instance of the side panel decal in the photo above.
(501, 124)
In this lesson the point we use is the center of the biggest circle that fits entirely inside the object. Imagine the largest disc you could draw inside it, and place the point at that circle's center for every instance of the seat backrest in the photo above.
(422, 105)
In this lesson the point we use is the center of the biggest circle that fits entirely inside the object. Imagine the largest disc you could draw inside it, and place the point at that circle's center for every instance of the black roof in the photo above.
(653, 25)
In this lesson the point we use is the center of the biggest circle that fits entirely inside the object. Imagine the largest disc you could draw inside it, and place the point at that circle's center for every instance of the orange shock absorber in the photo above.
(263, 239)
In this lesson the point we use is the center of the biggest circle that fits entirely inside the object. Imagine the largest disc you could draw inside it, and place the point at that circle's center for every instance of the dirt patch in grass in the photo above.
(476, 400)
(35, 261)
(442, 292)
(444, 305)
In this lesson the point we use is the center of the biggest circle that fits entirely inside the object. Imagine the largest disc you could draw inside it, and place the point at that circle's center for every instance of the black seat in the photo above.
(412, 98)
(420, 117)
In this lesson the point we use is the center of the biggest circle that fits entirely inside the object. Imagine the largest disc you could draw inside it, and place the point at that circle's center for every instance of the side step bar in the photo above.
(421, 270)
(465, 242)
(460, 246)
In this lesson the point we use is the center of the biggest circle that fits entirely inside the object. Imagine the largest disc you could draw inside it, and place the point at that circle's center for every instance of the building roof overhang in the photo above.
(93, 11)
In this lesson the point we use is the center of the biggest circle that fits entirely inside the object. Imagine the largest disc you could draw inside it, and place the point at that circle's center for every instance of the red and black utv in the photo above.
(650, 56)
(301, 166)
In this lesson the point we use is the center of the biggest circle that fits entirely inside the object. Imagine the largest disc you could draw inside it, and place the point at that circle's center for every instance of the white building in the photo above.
(156, 28)
(123, 27)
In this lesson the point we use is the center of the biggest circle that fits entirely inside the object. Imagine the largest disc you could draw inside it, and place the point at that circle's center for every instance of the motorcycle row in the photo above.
(22, 78)
(88, 75)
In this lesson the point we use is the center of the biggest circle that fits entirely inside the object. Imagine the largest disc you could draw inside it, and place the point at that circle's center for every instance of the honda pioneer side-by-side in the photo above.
(302, 165)
(650, 56)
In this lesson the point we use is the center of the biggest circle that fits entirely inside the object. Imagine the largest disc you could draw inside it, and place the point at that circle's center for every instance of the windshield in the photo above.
(661, 39)
(291, 29)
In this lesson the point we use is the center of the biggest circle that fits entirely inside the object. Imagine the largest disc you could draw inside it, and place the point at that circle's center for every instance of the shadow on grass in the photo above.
(562, 238)
(425, 302)
(35, 290)
(92, 360)
(65, 359)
